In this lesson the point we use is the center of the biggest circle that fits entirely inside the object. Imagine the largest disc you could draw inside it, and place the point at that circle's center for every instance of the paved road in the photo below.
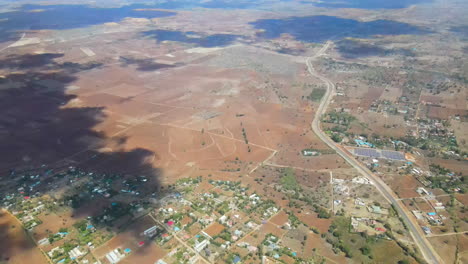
(416, 232)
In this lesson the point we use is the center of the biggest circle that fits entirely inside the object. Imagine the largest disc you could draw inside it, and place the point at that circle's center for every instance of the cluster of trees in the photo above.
(337, 240)
(288, 180)
(244, 134)
(341, 118)
(316, 94)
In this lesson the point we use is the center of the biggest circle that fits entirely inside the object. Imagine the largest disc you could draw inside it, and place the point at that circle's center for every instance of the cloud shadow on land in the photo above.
(213, 4)
(322, 28)
(194, 38)
(350, 48)
(146, 64)
(461, 31)
(41, 138)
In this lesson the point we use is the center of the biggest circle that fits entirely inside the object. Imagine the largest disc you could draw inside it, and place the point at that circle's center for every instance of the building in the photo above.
(201, 245)
(43, 241)
(150, 232)
(52, 251)
(76, 253)
(427, 230)
(114, 256)
(438, 205)
(421, 190)
(381, 229)
(418, 215)
(307, 152)
(378, 210)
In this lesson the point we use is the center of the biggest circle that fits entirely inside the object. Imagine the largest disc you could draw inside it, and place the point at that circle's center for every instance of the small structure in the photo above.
(56, 249)
(236, 259)
(309, 152)
(201, 245)
(114, 256)
(380, 229)
(427, 230)
(362, 143)
(43, 241)
(418, 215)
(421, 190)
(377, 210)
(150, 232)
(76, 253)
(438, 205)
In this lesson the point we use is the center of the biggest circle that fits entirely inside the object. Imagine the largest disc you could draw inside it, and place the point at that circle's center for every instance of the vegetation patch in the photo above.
(361, 247)
(316, 94)
(288, 180)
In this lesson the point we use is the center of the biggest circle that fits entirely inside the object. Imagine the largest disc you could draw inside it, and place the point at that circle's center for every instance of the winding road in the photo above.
(415, 230)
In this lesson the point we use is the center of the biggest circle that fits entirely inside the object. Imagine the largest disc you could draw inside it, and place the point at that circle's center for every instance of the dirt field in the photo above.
(389, 248)
(273, 229)
(186, 127)
(280, 218)
(423, 205)
(154, 97)
(377, 123)
(311, 220)
(17, 246)
(460, 129)
(454, 165)
(446, 246)
(405, 186)
(463, 198)
(324, 249)
(51, 223)
(214, 229)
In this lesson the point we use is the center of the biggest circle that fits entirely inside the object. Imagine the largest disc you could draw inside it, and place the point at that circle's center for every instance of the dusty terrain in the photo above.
(18, 246)
(168, 92)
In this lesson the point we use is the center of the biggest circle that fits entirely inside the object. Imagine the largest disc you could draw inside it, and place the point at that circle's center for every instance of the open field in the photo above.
(17, 245)
(448, 246)
(117, 108)
(405, 186)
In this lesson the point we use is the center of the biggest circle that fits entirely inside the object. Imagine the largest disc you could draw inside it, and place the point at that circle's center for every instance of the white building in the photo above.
(114, 256)
(200, 246)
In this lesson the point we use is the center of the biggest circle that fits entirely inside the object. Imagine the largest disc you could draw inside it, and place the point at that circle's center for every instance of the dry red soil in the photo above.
(405, 186)
(214, 229)
(311, 220)
(51, 223)
(279, 219)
